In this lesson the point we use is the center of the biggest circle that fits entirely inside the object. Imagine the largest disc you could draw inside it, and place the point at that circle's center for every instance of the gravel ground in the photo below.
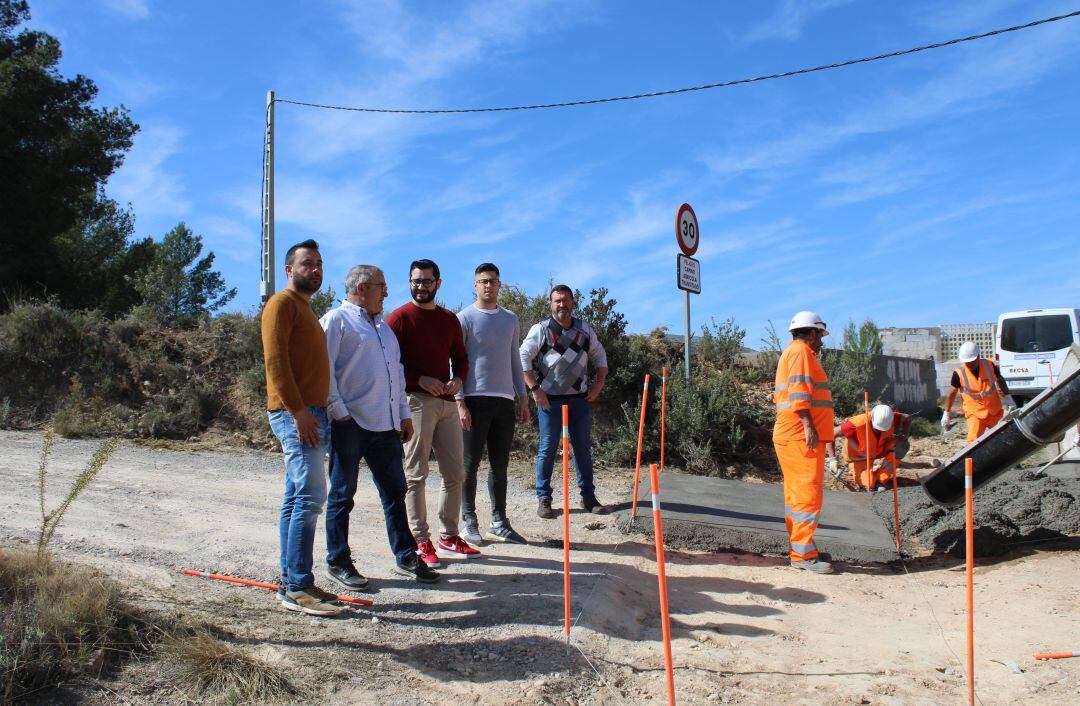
(746, 629)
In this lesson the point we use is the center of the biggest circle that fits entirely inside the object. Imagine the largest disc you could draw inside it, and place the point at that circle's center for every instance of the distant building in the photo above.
(954, 335)
(940, 344)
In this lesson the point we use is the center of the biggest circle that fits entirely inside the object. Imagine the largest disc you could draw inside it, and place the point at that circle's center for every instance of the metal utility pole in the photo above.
(266, 284)
(686, 347)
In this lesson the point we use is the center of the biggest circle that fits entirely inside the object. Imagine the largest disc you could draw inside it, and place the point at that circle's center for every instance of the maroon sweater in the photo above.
(430, 341)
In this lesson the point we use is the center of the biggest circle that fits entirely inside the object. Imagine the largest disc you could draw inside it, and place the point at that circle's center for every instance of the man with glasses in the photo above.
(370, 419)
(486, 402)
(431, 341)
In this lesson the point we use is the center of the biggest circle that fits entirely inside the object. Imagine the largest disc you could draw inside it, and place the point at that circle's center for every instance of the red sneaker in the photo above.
(456, 546)
(426, 551)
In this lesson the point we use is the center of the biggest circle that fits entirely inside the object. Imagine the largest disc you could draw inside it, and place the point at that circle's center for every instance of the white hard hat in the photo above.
(881, 417)
(807, 319)
(968, 352)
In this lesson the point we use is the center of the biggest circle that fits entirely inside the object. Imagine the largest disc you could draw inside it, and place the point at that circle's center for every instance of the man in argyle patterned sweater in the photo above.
(555, 358)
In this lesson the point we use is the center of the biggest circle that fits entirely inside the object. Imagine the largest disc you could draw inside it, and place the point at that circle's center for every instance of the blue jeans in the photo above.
(305, 493)
(580, 439)
(382, 450)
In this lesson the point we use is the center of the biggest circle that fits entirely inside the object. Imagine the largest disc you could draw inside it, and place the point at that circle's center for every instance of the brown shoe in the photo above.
(544, 511)
(591, 504)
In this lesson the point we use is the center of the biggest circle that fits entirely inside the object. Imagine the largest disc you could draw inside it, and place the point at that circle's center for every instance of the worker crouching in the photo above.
(873, 445)
(804, 424)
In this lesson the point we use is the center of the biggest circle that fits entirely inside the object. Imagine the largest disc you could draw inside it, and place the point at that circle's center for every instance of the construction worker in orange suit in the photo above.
(979, 383)
(887, 430)
(804, 424)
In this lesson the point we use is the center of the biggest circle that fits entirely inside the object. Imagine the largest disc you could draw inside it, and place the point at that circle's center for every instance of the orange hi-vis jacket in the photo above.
(980, 394)
(801, 384)
(857, 450)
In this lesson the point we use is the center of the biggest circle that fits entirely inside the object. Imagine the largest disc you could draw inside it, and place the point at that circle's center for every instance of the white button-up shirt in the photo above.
(367, 380)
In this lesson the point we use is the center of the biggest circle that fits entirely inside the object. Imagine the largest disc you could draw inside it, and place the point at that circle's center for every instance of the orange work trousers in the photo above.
(804, 475)
(880, 476)
(977, 427)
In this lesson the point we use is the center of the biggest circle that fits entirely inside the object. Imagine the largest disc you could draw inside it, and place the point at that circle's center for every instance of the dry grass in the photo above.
(56, 621)
(209, 667)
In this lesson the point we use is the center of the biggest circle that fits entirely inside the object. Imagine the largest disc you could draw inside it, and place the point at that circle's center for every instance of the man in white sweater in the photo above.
(486, 403)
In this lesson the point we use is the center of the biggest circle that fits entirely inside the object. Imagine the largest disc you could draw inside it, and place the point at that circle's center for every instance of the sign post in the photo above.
(689, 270)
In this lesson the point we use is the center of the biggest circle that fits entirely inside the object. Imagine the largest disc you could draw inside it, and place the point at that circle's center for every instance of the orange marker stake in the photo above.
(566, 517)
(869, 444)
(896, 503)
(969, 535)
(271, 586)
(663, 415)
(1056, 655)
(658, 531)
(640, 436)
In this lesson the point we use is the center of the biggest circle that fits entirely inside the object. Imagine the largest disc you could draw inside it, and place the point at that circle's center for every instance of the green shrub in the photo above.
(921, 427)
(132, 376)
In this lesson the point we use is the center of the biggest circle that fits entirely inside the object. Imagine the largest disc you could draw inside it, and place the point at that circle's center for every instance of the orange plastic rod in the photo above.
(661, 575)
(260, 584)
(969, 536)
(566, 517)
(663, 415)
(640, 437)
(1056, 655)
(869, 445)
(896, 502)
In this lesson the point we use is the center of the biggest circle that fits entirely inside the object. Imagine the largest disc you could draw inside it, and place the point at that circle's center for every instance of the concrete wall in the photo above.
(910, 383)
(912, 342)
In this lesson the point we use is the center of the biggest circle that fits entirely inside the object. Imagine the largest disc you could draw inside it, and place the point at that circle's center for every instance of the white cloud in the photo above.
(976, 82)
(144, 179)
(133, 9)
(790, 18)
(342, 215)
(237, 240)
(868, 177)
(411, 60)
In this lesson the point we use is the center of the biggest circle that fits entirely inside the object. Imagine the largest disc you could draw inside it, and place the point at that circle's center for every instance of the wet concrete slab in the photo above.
(714, 514)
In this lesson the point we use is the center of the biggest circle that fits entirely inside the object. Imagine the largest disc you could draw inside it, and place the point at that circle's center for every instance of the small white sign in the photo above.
(689, 274)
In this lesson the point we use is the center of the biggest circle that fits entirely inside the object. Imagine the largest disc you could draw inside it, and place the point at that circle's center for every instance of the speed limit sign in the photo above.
(686, 230)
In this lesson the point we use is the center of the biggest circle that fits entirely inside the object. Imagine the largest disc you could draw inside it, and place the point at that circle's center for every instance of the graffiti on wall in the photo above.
(907, 381)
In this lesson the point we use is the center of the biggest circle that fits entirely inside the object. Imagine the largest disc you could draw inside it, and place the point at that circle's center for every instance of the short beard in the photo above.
(424, 298)
(305, 285)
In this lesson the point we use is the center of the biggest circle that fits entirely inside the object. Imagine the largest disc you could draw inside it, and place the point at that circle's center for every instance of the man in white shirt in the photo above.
(370, 419)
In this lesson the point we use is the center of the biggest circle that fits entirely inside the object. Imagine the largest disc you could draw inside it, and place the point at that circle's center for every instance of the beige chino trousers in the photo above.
(436, 425)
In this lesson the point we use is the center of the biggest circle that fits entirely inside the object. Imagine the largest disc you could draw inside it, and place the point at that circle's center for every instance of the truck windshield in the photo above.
(1034, 334)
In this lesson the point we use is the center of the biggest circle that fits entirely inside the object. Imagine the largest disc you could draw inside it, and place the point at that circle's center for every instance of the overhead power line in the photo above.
(691, 89)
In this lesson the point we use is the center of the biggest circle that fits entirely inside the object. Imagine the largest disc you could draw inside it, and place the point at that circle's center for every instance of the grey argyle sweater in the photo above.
(559, 357)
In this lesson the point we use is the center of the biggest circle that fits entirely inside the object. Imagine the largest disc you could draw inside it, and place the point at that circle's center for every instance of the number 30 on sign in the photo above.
(686, 230)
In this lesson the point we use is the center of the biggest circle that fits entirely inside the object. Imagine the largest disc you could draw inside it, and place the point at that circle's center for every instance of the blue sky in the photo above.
(936, 188)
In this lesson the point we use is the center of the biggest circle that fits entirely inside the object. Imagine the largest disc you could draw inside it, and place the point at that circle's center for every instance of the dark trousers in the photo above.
(492, 428)
(382, 450)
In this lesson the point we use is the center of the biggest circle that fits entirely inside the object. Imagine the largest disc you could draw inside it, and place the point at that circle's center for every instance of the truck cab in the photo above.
(1031, 347)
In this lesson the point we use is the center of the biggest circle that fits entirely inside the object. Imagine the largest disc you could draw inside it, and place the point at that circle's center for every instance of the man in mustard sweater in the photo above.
(297, 385)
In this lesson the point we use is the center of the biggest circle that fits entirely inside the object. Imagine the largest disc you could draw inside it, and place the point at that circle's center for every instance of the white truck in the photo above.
(1031, 347)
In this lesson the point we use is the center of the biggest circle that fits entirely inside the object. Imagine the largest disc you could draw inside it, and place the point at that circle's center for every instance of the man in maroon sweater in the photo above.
(431, 341)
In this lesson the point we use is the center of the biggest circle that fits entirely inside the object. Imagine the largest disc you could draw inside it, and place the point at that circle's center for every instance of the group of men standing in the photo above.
(873, 441)
(391, 390)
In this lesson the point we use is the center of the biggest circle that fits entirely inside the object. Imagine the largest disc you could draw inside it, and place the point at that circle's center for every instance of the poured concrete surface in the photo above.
(713, 514)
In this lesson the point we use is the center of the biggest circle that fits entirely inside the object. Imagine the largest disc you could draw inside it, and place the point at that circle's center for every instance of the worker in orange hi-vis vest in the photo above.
(888, 434)
(804, 424)
(979, 383)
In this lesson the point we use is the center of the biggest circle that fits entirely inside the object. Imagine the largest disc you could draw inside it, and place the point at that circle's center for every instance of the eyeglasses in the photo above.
(487, 282)
(426, 282)
(375, 284)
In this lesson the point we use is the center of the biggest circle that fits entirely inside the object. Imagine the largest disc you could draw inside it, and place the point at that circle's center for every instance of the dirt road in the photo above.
(747, 629)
